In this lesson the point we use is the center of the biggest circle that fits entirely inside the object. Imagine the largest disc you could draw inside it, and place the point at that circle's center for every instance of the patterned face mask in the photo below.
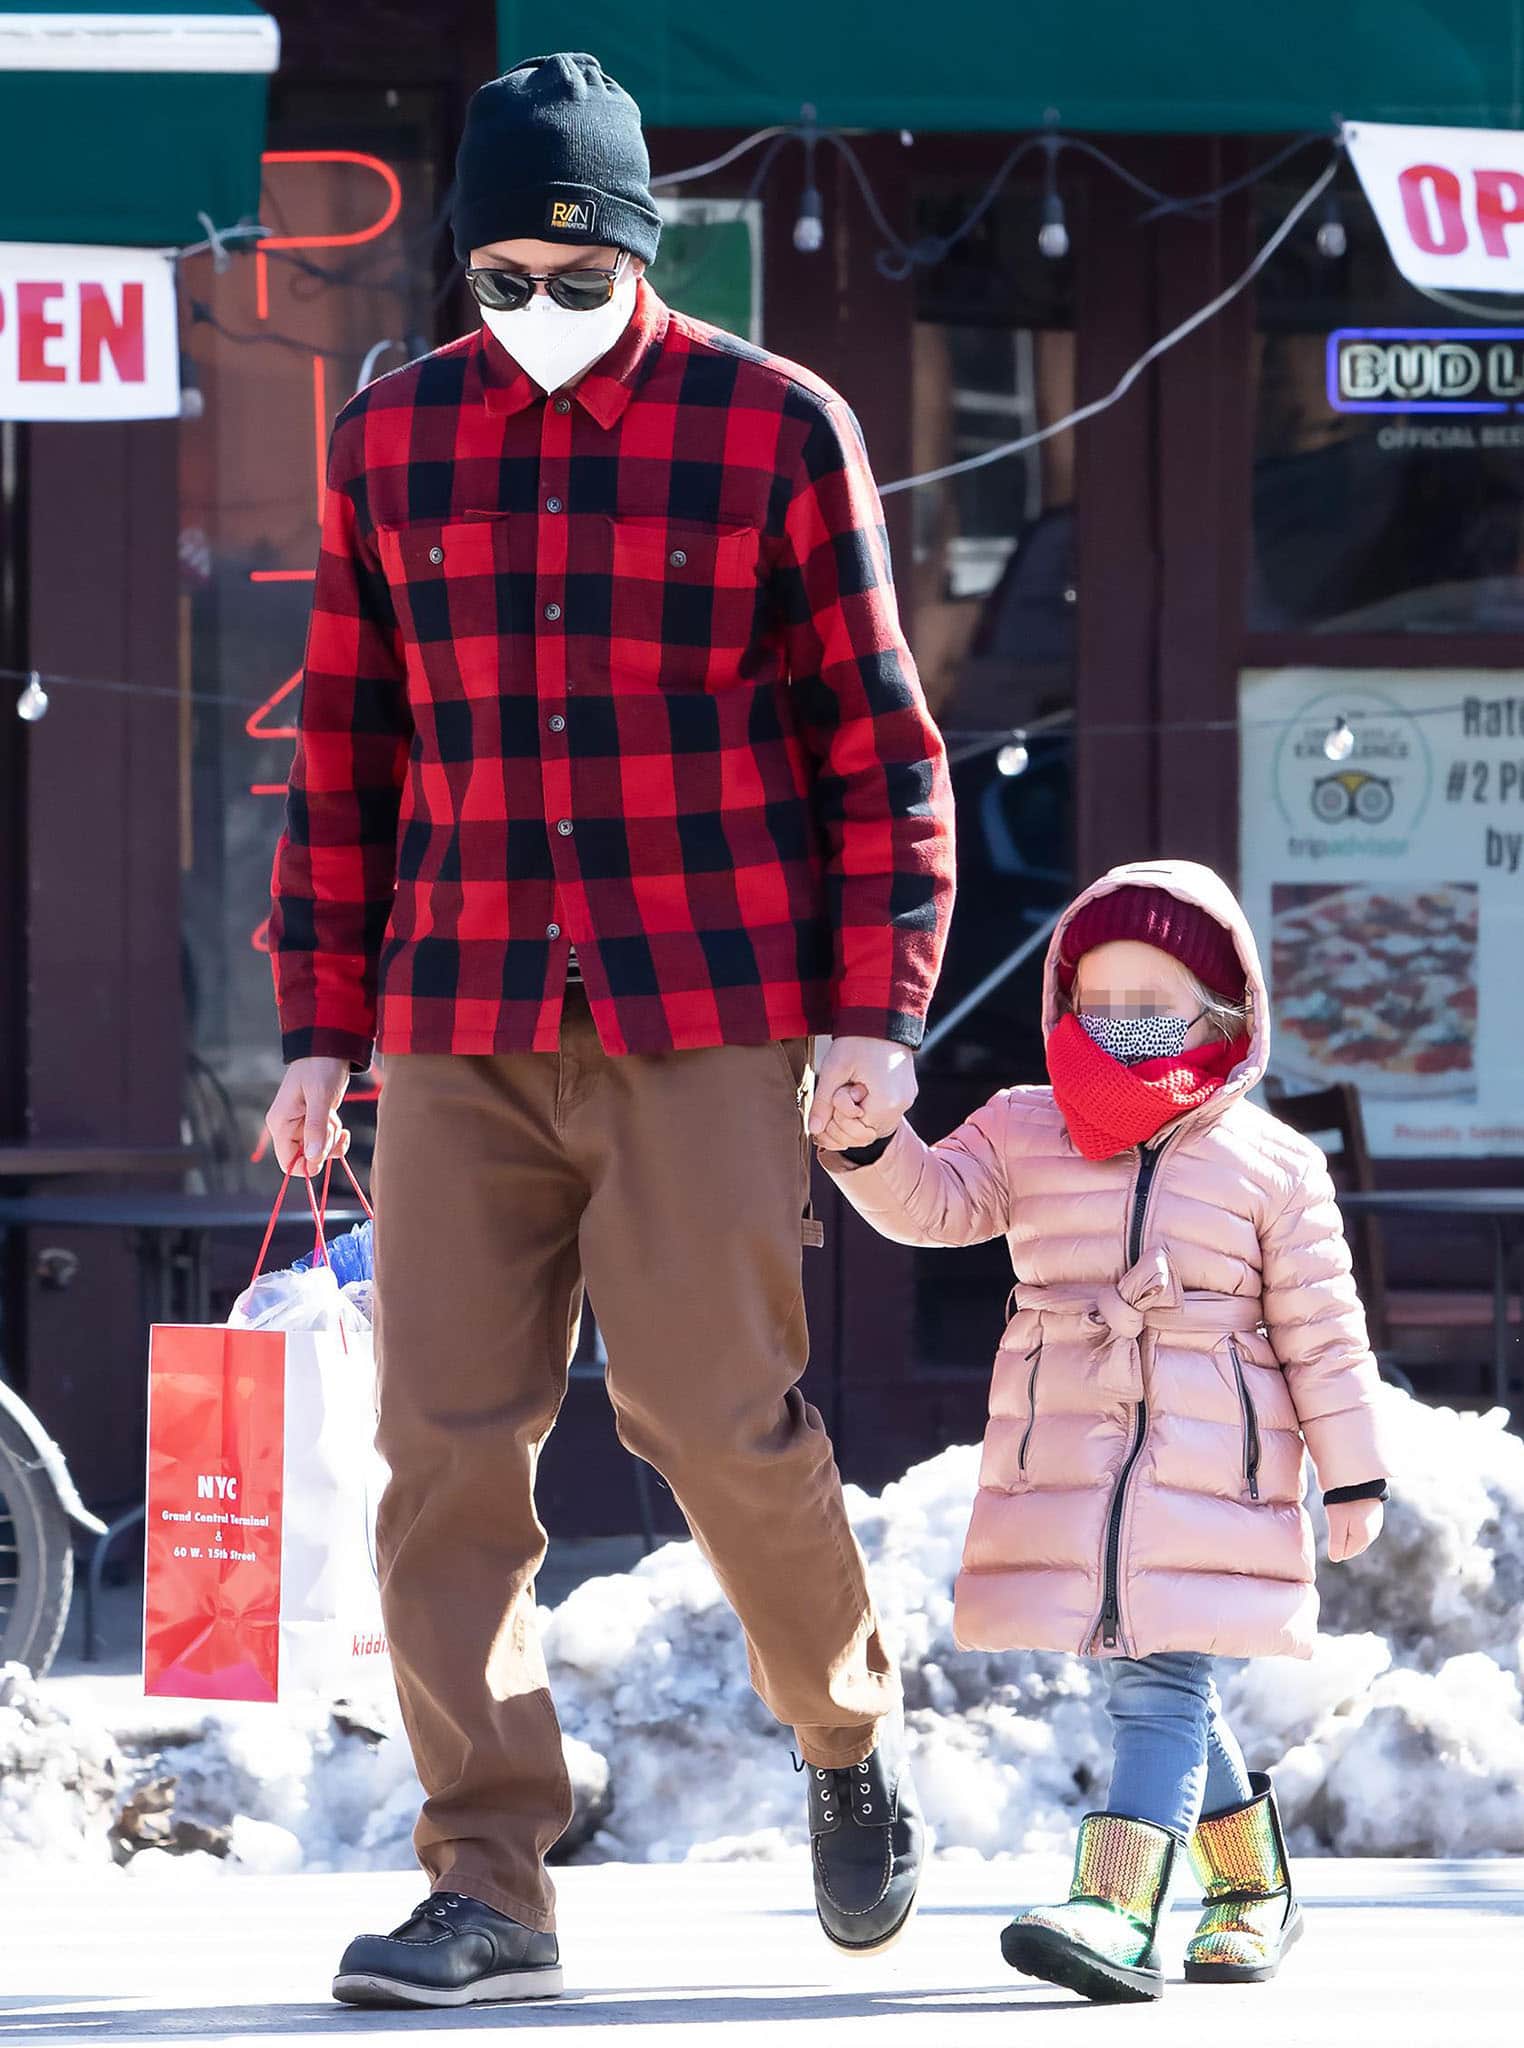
(1131, 1039)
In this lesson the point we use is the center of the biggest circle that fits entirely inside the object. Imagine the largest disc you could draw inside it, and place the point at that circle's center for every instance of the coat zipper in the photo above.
(1035, 1358)
(1111, 1615)
(1251, 1423)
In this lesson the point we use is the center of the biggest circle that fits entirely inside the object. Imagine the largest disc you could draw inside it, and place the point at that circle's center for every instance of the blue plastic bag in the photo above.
(350, 1256)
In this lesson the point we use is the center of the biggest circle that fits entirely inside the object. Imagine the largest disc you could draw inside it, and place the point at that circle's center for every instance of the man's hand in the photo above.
(304, 1117)
(1353, 1526)
(863, 1088)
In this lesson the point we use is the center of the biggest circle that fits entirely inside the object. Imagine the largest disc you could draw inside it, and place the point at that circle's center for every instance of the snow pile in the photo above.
(649, 1670)
(59, 1781)
(258, 1789)
(1404, 1735)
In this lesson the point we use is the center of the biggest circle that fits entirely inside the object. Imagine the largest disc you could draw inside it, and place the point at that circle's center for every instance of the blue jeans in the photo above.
(1175, 1757)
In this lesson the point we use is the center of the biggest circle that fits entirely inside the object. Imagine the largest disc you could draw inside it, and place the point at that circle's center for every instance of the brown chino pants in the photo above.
(674, 1185)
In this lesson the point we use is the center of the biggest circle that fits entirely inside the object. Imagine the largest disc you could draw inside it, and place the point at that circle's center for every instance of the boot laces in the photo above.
(439, 1906)
(832, 1787)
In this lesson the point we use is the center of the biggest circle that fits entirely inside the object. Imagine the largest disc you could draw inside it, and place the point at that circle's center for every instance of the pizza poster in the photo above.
(1382, 868)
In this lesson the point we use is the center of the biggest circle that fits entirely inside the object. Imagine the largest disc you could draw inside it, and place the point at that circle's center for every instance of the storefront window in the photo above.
(993, 594)
(1389, 451)
(275, 344)
(993, 603)
(993, 584)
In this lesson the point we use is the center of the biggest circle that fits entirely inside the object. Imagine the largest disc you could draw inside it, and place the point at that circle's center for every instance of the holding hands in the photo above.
(863, 1088)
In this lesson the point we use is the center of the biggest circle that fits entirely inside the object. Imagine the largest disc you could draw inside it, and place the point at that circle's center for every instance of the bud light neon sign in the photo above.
(1426, 369)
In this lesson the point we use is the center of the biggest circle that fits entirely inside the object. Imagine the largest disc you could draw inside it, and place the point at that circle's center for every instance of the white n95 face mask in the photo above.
(551, 344)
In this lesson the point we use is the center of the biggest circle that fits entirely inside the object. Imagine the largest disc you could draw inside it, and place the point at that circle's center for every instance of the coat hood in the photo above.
(1191, 883)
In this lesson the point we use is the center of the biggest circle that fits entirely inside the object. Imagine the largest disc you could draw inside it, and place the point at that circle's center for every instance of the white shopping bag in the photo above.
(263, 1484)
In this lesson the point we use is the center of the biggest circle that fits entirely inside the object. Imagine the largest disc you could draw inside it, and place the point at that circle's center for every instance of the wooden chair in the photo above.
(1417, 1333)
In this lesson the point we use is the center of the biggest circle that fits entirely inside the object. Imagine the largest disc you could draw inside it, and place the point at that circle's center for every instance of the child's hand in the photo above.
(864, 1088)
(1353, 1526)
(844, 1126)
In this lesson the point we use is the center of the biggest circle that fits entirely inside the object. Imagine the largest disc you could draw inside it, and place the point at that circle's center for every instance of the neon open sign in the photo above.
(1426, 369)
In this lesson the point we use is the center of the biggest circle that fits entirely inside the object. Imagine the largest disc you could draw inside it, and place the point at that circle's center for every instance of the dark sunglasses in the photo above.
(579, 291)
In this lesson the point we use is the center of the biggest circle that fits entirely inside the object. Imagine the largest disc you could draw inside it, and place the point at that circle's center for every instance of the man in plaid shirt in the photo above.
(615, 786)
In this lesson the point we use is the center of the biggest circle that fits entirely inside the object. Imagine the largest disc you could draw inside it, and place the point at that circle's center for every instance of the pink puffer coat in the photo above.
(1184, 1322)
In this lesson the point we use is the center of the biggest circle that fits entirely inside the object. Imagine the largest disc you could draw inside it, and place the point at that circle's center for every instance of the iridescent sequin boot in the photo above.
(1250, 1918)
(1101, 1944)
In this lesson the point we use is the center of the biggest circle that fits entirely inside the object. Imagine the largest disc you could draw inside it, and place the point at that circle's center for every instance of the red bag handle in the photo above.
(319, 1206)
(317, 1218)
(360, 1194)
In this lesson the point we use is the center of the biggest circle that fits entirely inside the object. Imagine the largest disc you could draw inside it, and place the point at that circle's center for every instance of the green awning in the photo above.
(123, 125)
(1173, 67)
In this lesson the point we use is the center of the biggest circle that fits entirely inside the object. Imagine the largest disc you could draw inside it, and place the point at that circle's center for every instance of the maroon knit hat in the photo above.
(1156, 918)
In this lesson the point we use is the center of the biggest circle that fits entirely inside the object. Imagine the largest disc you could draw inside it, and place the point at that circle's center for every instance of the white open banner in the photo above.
(1450, 201)
(87, 334)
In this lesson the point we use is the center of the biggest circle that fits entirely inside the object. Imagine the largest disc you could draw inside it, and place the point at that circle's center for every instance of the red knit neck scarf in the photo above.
(1109, 1108)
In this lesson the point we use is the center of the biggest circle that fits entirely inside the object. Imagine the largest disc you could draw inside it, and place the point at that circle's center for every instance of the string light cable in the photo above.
(964, 743)
(201, 315)
(220, 243)
(1129, 377)
(217, 242)
(1499, 316)
(899, 257)
(785, 129)
(1013, 757)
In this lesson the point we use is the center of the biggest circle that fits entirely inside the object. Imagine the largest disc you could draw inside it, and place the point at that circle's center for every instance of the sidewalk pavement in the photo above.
(1404, 1955)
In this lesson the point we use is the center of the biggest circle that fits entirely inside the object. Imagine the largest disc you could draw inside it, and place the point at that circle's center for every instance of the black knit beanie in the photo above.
(553, 153)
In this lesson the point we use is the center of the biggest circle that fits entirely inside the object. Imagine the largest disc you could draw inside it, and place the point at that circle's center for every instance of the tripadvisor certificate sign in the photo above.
(1386, 887)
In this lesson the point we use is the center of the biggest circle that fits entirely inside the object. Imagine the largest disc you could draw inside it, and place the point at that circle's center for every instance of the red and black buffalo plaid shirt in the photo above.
(618, 669)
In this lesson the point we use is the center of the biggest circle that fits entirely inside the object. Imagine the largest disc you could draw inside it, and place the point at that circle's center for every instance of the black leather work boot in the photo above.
(451, 1951)
(867, 1840)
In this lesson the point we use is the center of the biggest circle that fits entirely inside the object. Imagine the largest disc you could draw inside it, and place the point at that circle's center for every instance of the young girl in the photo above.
(1184, 1326)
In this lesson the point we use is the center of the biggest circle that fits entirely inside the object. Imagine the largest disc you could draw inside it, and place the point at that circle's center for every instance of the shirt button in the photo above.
(552, 931)
(557, 723)
(553, 504)
(552, 612)
(563, 405)
(436, 555)
(564, 827)
(678, 558)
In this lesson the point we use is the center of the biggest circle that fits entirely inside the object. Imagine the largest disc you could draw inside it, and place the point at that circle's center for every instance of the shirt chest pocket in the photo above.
(682, 605)
(450, 587)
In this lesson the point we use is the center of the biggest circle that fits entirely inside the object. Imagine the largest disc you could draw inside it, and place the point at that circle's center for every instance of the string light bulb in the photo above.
(1013, 758)
(192, 397)
(32, 704)
(1339, 743)
(809, 224)
(809, 228)
(1333, 241)
(1053, 235)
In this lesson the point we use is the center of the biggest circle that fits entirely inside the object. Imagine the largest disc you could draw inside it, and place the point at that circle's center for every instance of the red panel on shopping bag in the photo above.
(216, 1460)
